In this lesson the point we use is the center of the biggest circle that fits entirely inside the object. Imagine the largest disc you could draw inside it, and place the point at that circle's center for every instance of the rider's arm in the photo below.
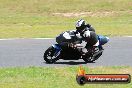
(90, 27)
(82, 45)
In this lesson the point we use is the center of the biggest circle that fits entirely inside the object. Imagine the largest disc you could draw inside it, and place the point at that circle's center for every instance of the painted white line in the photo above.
(41, 38)
(27, 38)
(128, 36)
(9, 39)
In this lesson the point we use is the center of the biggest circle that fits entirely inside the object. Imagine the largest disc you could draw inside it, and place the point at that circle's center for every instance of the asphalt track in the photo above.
(29, 52)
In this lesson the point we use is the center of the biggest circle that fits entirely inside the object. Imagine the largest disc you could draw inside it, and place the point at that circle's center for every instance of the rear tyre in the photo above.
(97, 56)
(49, 55)
(88, 57)
(89, 60)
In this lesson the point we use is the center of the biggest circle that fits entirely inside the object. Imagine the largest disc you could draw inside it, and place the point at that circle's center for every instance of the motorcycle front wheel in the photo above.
(49, 55)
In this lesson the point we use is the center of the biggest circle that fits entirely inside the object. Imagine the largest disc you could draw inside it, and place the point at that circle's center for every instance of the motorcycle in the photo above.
(56, 52)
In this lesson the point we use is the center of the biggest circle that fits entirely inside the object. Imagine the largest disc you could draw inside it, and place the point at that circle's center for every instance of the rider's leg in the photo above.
(103, 40)
(100, 47)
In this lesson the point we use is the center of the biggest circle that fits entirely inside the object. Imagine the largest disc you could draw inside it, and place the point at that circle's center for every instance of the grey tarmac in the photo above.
(29, 52)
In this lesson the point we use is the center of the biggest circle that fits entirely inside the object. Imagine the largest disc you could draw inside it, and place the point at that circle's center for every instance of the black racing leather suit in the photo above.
(89, 27)
(90, 38)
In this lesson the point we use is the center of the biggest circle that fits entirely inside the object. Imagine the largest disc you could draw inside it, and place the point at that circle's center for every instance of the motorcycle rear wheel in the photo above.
(92, 58)
(89, 60)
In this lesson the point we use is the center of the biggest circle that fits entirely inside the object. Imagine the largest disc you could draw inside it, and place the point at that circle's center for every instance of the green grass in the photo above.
(56, 77)
(38, 18)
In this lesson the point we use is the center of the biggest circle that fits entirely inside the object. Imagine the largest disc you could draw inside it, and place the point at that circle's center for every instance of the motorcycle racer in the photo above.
(87, 32)
(70, 45)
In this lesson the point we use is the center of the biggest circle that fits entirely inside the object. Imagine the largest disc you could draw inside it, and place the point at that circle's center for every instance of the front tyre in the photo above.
(49, 55)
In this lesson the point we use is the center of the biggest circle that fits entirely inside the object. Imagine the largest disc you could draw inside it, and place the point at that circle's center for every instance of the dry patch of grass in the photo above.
(92, 14)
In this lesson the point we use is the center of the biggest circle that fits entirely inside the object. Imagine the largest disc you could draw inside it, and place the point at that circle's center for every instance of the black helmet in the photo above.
(80, 25)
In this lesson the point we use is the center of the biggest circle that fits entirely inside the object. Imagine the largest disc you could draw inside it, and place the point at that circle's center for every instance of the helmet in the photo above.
(80, 26)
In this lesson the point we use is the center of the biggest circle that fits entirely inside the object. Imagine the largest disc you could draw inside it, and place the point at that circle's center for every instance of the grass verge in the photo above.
(48, 18)
(56, 77)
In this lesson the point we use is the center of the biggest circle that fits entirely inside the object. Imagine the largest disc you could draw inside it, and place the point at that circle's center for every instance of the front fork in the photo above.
(57, 49)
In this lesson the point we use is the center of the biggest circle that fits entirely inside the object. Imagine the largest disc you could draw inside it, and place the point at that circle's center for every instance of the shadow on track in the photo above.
(72, 63)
